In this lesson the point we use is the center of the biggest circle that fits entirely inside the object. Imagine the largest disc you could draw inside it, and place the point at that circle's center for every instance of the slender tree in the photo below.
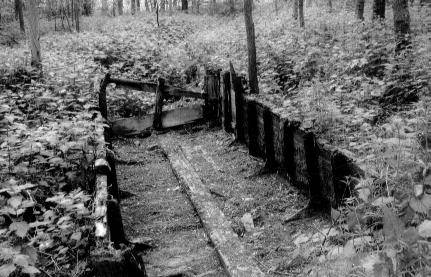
(19, 15)
(401, 24)
(104, 7)
(301, 13)
(251, 45)
(138, 5)
(184, 5)
(77, 12)
(120, 7)
(379, 9)
(295, 9)
(329, 5)
(132, 6)
(33, 36)
(360, 4)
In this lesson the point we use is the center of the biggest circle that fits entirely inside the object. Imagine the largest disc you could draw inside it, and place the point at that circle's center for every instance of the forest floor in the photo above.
(337, 76)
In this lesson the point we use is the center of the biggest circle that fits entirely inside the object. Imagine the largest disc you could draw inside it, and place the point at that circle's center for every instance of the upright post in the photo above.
(102, 96)
(157, 120)
(212, 89)
(226, 102)
(237, 102)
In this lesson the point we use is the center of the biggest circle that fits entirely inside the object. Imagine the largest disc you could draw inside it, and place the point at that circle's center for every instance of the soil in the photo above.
(160, 208)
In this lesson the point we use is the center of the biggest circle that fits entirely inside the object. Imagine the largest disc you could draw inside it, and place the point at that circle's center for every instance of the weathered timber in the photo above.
(152, 87)
(113, 189)
(100, 209)
(278, 138)
(288, 165)
(226, 100)
(233, 106)
(102, 95)
(115, 222)
(302, 178)
(268, 123)
(318, 201)
(237, 104)
(253, 144)
(182, 116)
(213, 97)
(326, 177)
(234, 256)
(244, 126)
(169, 119)
(260, 130)
(157, 117)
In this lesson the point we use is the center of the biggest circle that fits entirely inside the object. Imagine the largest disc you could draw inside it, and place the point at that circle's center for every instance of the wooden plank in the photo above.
(157, 119)
(268, 124)
(226, 102)
(182, 116)
(171, 118)
(233, 106)
(102, 96)
(236, 259)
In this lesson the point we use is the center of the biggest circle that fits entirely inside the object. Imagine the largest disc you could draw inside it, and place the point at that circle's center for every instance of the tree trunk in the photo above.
(295, 9)
(19, 14)
(184, 5)
(33, 20)
(301, 13)
(251, 45)
(104, 7)
(379, 9)
(330, 6)
(77, 12)
(138, 5)
(132, 7)
(231, 6)
(213, 6)
(401, 24)
(360, 9)
(120, 7)
(147, 6)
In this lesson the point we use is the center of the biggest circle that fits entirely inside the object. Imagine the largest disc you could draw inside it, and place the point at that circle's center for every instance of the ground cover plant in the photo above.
(338, 75)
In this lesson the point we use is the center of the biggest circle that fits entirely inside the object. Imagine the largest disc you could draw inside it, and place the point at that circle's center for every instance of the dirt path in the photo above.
(160, 210)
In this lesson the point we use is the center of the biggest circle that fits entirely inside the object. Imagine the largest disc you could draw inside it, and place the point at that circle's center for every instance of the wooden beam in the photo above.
(157, 119)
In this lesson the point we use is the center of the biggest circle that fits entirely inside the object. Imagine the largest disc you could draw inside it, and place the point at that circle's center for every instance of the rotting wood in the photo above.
(157, 117)
(169, 119)
(317, 200)
(115, 222)
(237, 103)
(102, 96)
(235, 258)
(260, 130)
(253, 144)
(288, 165)
(268, 123)
(226, 107)
(212, 91)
